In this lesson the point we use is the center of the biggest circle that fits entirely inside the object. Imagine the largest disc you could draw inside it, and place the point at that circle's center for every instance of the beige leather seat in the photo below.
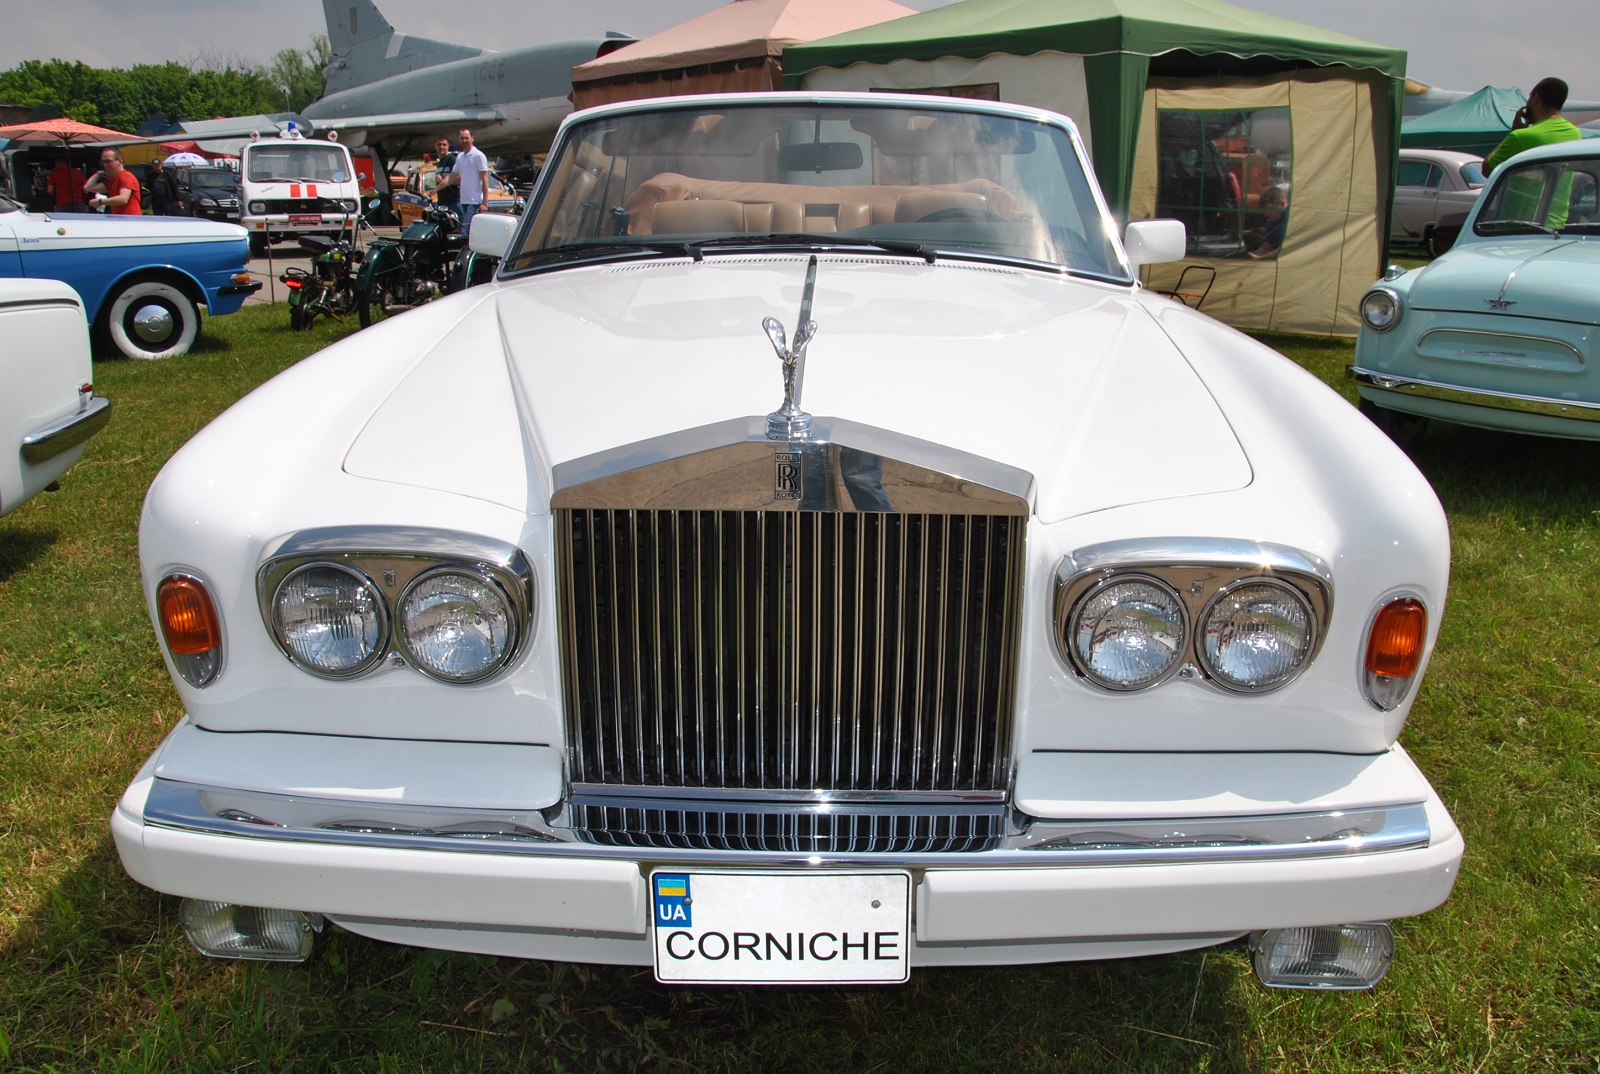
(697, 217)
(909, 208)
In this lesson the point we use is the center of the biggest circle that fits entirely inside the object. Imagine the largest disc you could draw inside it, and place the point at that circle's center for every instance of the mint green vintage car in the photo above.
(1503, 331)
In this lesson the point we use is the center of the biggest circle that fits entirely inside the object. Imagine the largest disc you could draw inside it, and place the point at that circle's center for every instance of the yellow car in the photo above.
(419, 191)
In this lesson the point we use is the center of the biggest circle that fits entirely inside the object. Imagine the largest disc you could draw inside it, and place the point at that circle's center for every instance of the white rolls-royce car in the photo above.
(812, 557)
(48, 408)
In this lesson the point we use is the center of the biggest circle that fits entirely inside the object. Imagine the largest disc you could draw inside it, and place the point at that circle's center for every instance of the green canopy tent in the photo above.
(1131, 73)
(1474, 124)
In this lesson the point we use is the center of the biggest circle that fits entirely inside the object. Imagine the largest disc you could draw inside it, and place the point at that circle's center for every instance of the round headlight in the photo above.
(1256, 635)
(330, 619)
(456, 624)
(1380, 310)
(1128, 634)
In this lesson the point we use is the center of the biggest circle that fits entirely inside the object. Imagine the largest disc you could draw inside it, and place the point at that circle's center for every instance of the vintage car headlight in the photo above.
(1128, 634)
(349, 205)
(258, 207)
(455, 606)
(1380, 310)
(1256, 635)
(330, 619)
(455, 624)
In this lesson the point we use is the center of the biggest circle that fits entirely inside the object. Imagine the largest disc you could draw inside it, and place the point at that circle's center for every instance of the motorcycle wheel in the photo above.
(297, 318)
(373, 305)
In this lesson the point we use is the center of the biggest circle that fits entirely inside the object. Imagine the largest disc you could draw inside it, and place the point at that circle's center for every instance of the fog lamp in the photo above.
(223, 930)
(1327, 956)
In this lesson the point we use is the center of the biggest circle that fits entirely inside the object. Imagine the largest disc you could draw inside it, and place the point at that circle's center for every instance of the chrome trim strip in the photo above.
(1523, 404)
(961, 469)
(633, 797)
(63, 434)
(212, 811)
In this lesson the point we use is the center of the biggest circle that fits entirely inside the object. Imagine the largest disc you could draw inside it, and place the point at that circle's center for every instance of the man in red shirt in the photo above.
(113, 186)
(65, 184)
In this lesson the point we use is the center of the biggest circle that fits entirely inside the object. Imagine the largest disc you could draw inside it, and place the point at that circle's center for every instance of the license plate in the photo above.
(781, 927)
(301, 218)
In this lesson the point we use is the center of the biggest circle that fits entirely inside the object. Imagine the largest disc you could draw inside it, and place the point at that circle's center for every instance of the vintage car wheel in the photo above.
(150, 319)
(1406, 430)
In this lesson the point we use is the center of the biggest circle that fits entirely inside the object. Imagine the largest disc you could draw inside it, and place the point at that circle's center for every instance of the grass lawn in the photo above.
(95, 974)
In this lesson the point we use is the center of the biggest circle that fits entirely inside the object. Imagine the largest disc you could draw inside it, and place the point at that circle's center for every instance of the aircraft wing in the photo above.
(401, 127)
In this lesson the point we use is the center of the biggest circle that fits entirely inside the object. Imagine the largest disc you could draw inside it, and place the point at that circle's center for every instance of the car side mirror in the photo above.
(1152, 242)
(491, 233)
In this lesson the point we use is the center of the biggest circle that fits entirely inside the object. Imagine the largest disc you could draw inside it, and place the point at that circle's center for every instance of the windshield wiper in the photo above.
(811, 240)
(579, 251)
(1515, 225)
(1581, 225)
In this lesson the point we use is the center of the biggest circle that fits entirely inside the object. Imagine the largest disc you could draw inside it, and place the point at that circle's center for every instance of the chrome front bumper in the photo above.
(461, 875)
(1543, 406)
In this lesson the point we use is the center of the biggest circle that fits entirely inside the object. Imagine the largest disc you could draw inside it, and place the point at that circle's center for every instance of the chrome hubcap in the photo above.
(153, 324)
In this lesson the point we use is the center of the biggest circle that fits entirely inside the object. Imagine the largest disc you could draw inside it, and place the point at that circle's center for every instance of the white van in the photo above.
(295, 186)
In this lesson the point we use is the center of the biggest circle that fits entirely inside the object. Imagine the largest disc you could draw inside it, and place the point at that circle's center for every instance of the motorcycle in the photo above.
(419, 266)
(329, 288)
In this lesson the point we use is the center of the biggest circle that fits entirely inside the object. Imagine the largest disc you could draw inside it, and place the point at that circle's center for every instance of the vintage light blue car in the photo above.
(1503, 331)
(142, 279)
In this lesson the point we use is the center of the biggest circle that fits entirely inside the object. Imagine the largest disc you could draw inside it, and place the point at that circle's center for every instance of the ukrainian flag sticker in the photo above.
(672, 900)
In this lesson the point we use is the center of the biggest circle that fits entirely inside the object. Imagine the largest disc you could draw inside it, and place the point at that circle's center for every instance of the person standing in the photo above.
(470, 177)
(1539, 122)
(445, 193)
(114, 187)
(163, 189)
(65, 184)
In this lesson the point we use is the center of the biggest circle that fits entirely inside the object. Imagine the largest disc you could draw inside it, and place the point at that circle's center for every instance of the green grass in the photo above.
(95, 975)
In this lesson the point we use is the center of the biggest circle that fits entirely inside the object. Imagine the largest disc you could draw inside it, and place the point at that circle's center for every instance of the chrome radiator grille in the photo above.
(798, 832)
(793, 651)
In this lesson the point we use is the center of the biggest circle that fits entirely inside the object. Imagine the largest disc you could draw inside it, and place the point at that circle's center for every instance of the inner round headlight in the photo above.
(456, 624)
(1128, 634)
(1256, 636)
(1379, 310)
(330, 619)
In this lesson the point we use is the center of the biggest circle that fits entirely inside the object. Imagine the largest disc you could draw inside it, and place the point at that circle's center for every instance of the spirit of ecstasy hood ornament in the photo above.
(789, 422)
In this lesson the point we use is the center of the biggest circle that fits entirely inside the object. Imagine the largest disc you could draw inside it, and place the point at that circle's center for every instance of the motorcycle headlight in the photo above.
(330, 620)
(456, 624)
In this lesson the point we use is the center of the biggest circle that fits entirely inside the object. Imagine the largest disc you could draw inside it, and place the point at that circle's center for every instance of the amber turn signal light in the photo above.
(188, 618)
(1394, 648)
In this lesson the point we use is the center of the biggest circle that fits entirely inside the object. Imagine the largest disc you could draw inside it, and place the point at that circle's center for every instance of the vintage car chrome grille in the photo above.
(801, 832)
(796, 651)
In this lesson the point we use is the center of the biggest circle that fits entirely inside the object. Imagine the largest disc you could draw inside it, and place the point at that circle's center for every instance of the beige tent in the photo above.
(731, 49)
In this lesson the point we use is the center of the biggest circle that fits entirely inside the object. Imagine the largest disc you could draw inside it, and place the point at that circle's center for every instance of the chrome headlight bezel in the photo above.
(394, 560)
(1381, 309)
(1200, 572)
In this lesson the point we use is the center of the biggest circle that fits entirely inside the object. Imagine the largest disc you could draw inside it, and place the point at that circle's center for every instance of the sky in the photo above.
(1453, 44)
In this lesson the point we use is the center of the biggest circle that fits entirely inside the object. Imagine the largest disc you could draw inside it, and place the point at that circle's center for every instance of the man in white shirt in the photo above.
(471, 176)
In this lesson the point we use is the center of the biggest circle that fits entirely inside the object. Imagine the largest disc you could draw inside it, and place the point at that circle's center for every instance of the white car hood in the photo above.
(1071, 381)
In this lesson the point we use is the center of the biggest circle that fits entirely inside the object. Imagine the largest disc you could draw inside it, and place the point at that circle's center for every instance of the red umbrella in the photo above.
(63, 130)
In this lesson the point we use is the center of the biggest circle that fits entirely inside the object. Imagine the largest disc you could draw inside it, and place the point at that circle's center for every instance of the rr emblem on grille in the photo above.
(787, 478)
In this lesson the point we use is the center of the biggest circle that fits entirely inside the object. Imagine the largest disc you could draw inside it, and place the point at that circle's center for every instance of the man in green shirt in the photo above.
(1539, 122)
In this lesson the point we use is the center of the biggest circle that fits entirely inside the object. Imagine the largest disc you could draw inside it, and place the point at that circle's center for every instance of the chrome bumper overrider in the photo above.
(251, 815)
(1525, 404)
(46, 443)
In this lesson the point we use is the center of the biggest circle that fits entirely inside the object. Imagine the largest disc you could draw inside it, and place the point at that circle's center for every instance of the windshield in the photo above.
(213, 177)
(954, 182)
(8, 206)
(1542, 196)
(306, 162)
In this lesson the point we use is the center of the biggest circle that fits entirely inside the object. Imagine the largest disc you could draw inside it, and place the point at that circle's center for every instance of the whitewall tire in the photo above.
(151, 319)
